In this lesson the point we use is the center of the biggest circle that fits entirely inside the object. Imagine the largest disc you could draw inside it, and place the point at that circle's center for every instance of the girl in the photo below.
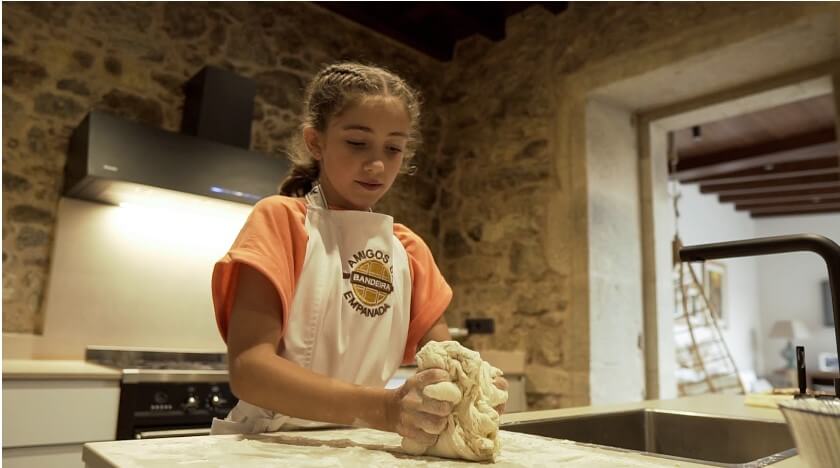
(320, 299)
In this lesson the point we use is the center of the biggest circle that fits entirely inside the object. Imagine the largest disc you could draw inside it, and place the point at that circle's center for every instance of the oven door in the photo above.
(171, 409)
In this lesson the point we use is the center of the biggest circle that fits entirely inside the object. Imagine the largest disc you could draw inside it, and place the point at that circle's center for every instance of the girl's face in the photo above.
(361, 151)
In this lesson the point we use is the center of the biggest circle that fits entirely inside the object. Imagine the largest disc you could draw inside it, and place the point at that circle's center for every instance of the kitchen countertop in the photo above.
(36, 369)
(364, 447)
(341, 448)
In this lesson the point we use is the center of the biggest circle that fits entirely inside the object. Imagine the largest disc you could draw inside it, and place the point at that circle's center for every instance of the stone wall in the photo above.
(499, 172)
(62, 60)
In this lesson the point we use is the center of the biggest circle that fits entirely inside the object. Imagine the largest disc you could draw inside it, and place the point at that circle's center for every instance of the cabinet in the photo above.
(47, 456)
(46, 422)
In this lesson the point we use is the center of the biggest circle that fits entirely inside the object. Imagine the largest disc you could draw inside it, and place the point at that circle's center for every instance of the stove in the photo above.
(167, 393)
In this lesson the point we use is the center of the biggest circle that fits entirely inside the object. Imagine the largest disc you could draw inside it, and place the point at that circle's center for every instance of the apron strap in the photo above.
(316, 197)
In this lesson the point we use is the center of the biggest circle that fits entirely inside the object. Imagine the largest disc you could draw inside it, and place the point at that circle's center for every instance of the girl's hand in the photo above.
(415, 416)
(502, 384)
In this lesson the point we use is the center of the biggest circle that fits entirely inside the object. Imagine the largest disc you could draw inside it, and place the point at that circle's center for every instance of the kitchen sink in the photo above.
(693, 437)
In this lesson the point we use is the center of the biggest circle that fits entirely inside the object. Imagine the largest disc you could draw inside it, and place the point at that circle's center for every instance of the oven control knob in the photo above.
(216, 400)
(161, 397)
(191, 403)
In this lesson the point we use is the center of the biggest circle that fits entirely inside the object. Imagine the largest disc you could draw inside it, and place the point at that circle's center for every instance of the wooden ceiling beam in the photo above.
(770, 176)
(778, 188)
(781, 168)
(807, 191)
(815, 208)
(778, 183)
(801, 207)
(748, 204)
(814, 145)
(803, 153)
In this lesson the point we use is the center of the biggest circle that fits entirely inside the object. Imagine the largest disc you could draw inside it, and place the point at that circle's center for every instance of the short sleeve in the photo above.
(430, 293)
(272, 241)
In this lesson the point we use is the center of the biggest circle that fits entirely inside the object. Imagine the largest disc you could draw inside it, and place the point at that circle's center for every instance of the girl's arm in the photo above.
(438, 332)
(261, 377)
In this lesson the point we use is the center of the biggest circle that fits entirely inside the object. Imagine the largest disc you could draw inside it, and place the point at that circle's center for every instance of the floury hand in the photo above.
(415, 416)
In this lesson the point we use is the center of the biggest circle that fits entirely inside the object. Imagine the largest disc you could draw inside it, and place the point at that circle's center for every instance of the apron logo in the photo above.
(370, 283)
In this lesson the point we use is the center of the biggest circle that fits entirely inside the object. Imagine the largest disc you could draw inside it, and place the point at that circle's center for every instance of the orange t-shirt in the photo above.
(273, 241)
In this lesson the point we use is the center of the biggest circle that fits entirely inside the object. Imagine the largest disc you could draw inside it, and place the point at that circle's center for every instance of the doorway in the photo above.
(703, 88)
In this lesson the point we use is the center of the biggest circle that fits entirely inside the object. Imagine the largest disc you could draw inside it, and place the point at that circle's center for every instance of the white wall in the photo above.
(702, 220)
(661, 363)
(790, 286)
(134, 276)
(615, 257)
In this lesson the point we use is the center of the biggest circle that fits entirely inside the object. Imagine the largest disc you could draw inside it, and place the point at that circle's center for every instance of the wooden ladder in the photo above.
(704, 363)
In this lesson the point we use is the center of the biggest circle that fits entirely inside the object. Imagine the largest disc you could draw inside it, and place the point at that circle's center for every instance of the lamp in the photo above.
(792, 330)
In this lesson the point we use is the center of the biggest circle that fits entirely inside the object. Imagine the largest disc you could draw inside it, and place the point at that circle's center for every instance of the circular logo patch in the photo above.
(371, 282)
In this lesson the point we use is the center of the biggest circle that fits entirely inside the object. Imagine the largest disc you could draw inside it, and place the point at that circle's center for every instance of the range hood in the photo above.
(112, 159)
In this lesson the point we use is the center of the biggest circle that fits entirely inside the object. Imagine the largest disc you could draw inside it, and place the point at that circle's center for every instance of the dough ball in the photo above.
(472, 429)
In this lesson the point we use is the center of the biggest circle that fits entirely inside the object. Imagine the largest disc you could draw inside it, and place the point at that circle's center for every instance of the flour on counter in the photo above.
(344, 448)
(472, 429)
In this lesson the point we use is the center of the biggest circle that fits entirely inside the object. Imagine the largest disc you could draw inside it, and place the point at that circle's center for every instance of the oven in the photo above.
(167, 393)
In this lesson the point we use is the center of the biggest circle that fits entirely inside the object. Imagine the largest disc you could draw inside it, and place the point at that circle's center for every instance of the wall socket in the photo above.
(481, 326)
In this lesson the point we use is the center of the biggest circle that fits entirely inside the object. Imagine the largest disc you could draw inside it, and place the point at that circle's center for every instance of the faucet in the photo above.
(826, 248)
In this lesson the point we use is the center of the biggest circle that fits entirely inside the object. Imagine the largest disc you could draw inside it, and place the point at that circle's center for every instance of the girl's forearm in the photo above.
(262, 378)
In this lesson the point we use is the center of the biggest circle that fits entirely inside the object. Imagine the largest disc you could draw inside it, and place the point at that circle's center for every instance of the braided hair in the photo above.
(329, 93)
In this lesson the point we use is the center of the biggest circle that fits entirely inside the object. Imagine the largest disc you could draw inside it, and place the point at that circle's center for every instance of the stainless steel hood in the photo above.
(111, 157)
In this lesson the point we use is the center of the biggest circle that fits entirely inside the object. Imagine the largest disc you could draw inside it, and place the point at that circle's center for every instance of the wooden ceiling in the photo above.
(434, 27)
(777, 162)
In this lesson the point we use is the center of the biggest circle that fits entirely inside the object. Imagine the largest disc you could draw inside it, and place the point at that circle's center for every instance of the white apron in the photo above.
(350, 313)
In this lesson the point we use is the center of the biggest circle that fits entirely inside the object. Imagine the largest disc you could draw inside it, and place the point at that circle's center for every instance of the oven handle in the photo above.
(197, 431)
